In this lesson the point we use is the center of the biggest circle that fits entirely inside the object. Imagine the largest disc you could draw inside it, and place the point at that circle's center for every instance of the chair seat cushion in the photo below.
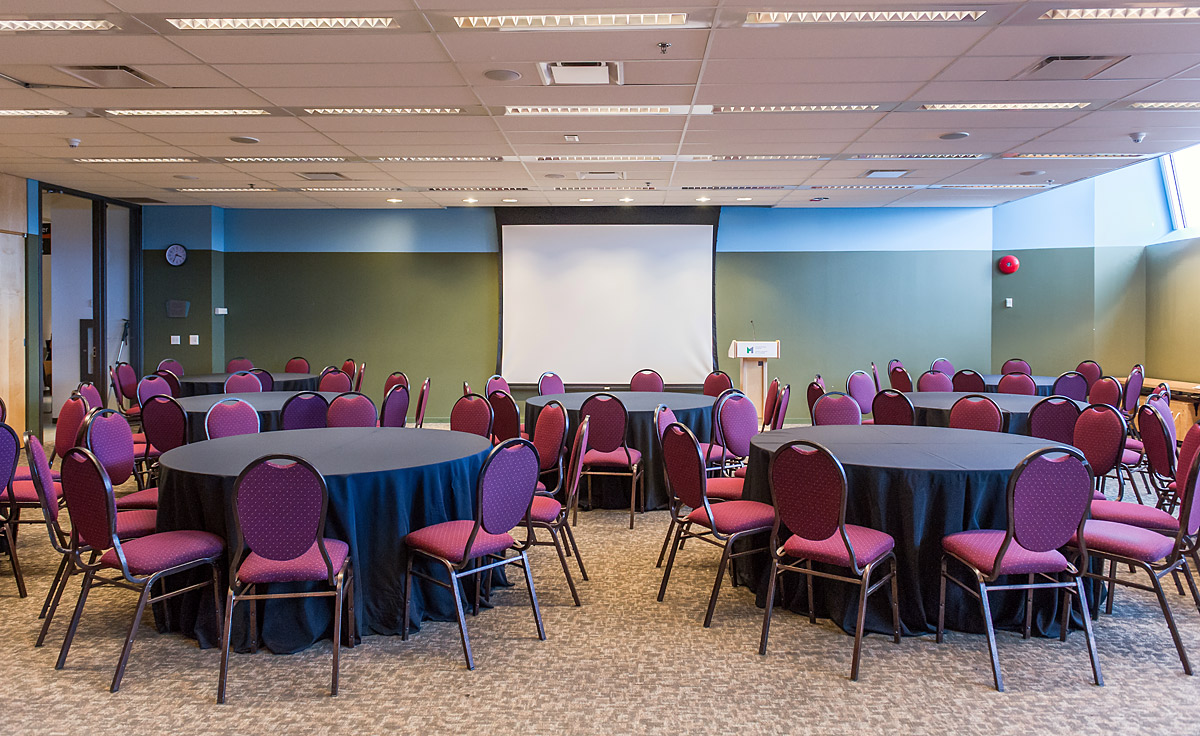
(1135, 445)
(139, 438)
(23, 473)
(133, 411)
(139, 450)
(143, 499)
(869, 546)
(979, 547)
(136, 523)
(714, 453)
(544, 509)
(1130, 457)
(448, 540)
(866, 421)
(309, 566)
(614, 459)
(740, 472)
(1115, 538)
(732, 517)
(25, 492)
(725, 489)
(157, 552)
(1135, 514)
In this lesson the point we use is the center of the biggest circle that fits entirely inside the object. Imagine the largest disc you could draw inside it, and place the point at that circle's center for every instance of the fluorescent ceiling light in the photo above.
(1165, 105)
(862, 186)
(33, 113)
(586, 199)
(745, 199)
(470, 200)
(395, 201)
(742, 188)
(863, 16)
(509, 201)
(771, 157)
(55, 25)
(383, 110)
(349, 189)
(625, 199)
(548, 159)
(478, 189)
(886, 173)
(1006, 106)
(793, 108)
(279, 24)
(988, 186)
(440, 159)
(136, 160)
(703, 199)
(597, 110)
(589, 21)
(226, 189)
(603, 189)
(901, 156)
(1075, 155)
(282, 159)
(186, 113)
(1143, 13)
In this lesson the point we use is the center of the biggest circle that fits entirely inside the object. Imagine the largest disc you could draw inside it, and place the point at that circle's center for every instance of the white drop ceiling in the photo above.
(425, 60)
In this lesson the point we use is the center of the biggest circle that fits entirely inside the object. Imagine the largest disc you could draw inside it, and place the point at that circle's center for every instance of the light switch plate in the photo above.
(193, 339)
(174, 339)
(221, 310)
(1008, 302)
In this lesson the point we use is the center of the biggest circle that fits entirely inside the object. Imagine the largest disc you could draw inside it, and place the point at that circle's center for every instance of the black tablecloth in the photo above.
(933, 408)
(693, 410)
(383, 483)
(1045, 384)
(214, 383)
(268, 404)
(918, 484)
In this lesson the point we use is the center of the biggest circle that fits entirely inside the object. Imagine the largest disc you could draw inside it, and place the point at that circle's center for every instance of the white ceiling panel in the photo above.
(634, 44)
(332, 74)
(840, 41)
(806, 94)
(85, 49)
(368, 96)
(303, 48)
(828, 71)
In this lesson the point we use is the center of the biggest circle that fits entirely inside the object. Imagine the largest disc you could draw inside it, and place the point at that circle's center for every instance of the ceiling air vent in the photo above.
(600, 175)
(1069, 67)
(323, 176)
(581, 72)
(111, 77)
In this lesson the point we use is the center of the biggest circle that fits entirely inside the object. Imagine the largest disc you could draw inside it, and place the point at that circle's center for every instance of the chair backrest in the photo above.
(808, 490)
(89, 495)
(1048, 497)
(127, 381)
(550, 383)
(229, 418)
(1017, 383)
(238, 364)
(496, 382)
(164, 422)
(716, 383)
(349, 367)
(395, 407)
(279, 504)
(1091, 371)
(91, 395)
(10, 455)
(550, 434)
(106, 434)
(1133, 389)
(892, 407)
(663, 417)
(1162, 402)
(264, 378)
(422, 402)
(968, 381)
(397, 378)
(737, 419)
(1100, 434)
(819, 381)
(1072, 384)
(942, 365)
(472, 413)
(3, 410)
(297, 364)
(172, 380)
(507, 482)
(934, 381)
(466, 388)
(894, 363)
(814, 392)
(899, 378)
(836, 407)
(358, 377)
(575, 465)
(1165, 391)
(1156, 441)
(647, 379)
(70, 421)
(506, 417)
(335, 380)
(1016, 365)
(862, 389)
(1053, 418)
(609, 419)
(351, 409)
(1189, 510)
(785, 397)
(1106, 390)
(305, 410)
(170, 364)
(770, 401)
(683, 467)
(243, 382)
(875, 377)
(39, 473)
(976, 412)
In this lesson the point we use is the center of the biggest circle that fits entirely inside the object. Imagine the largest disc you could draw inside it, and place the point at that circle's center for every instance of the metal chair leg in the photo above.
(58, 576)
(1166, 609)
(860, 622)
(895, 601)
(226, 631)
(1112, 586)
(11, 538)
(991, 636)
(571, 538)
(766, 626)
(808, 588)
(1028, 610)
(1087, 631)
(941, 625)
(562, 558)
(537, 614)
(408, 582)
(57, 590)
(679, 530)
(712, 601)
(462, 617)
(133, 627)
(66, 645)
(666, 540)
(337, 630)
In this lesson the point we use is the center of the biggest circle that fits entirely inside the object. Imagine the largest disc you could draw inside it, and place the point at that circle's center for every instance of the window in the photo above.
(1182, 173)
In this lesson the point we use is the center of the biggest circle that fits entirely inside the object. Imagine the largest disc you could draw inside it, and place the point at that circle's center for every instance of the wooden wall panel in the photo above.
(12, 328)
(12, 204)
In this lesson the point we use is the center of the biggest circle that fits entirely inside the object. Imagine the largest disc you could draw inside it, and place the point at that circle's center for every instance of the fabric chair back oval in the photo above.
(683, 466)
(1072, 384)
(1162, 402)
(1049, 491)
(473, 414)
(717, 383)
(172, 380)
(170, 364)
(395, 407)
(892, 407)
(305, 410)
(935, 381)
(894, 363)
(609, 418)
(1156, 441)
(942, 365)
(968, 381)
(397, 378)
(127, 381)
(862, 389)
(550, 383)
(738, 421)
(279, 503)
(243, 382)
(164, 422)
(297, 364)
(422, 402)
(1106, 390)
(351, 409)
(230, 418)
(335, 381)
(815, 391)
(976, 412)
(1133, 389)
(646, 379)
(1100, 434)
(785, 397)
(808, 489)
(1016, 365)
(496, 382)
(91, 395)
(1017, 383)
(70, 421)
(264, 378)
(239, 364)
(349, 367)
(663, 418)
(770, 401)
(506, 417)
(550, 434)
(10, 455)
(106, 434)
(1053, 418)
(899, 379)
(506, 484)
(1189, 514)
(39, 473)
(575, 465)
(836, 407)
(1091, 371)
(819, 381)
(89, 496)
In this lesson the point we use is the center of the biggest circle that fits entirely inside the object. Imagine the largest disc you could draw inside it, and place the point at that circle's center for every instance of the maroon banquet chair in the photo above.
(1161, 471)
(861, 388)
(547, 512)
(893, 408)
(814, 392)
(1106, 390)
(106, 434)
(305, 410)
(230, 418)
(265, 379)
(473, 414)
(977, 412)
(609, 453)
(394, 412)
(243, 382)
(170, 364)
(466, 389)
(942, 365)
(67, 434)
(140, 563)
(968, 381)
(297, 364)
(124, 383)
(1132, 393)
(349, 367)
(238, 364)
(1100, 434)
(506, 417)
(279, 511)
(899, 379)
(496, 382)
(1017, 383)
(397, 378)
(737, 421)
(1047, 497)
(358, 377)
(934, 381)
(172, 380)
(504, 494)
(351, 409)
(722, 525)
(1053, 418)
(335, 381)
(10, 455)
(1091, 371)
(152, 385)
(422, 402)
(781, 407)
(836, 407)
(770, 401)
(91, 395)
(716, 383)
(165, 425)
(549, 439)
(808, 492)
(550, 383)
(1072, 384)
(647, 379)
(1016, 365)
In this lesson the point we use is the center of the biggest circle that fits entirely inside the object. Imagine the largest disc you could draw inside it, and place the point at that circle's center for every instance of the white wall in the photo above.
(117, 252)
(71, 277)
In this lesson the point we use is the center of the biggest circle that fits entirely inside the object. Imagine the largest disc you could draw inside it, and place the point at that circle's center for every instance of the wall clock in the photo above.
(176, 254)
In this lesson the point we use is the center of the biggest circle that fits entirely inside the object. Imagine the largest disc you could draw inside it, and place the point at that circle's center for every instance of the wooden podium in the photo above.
(754, 355)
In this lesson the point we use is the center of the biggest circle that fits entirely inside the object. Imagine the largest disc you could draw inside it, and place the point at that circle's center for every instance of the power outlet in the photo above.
(193, 339)
(1008, 302)
(174, 339)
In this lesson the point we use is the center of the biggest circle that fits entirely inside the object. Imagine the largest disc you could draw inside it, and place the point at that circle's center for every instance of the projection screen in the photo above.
(596, 303)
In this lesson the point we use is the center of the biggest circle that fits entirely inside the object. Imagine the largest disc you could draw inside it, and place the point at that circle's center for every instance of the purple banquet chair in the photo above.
(737, 423)
(1016, 365)
(397, 378)
(279, 511)
(861, 388)
(172, 380)
(91, 395)
(152, 385)
(496, 382)
(1072, 384)
(899, 379)
(608, 452)
(422, 402)
(243, 382)
(550, 383)
(1017, 383)
(770, 401)
(1100, 434)
(1132, 393)
(1047, 496)
(836, 407)
(942, 365)
(305, 410)
(647, 379)
(238, 364)
(808, 492)
(265, 379)
(335, 381)
(395, 407)
(716, 383)
(1162, 471)
(781, 407)
(893, 408)
(506, 417)
(968, 381)
(547, 512)
(472, 414)
(297, 364)
(1091, 371)
(170, 364)
(1106, 390)
(934, 381)
(977, 412)
(230, 418)
(10, 455)
(814, 392)
(351, 409)
(504, 494)
(106, 434)
(1053, 418)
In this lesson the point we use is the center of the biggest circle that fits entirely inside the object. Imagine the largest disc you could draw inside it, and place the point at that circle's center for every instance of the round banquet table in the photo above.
(268, 404)
(383, 483)
(214, 383)
(1045, 384)
(918, 484)
(693, 410)
(933, 408)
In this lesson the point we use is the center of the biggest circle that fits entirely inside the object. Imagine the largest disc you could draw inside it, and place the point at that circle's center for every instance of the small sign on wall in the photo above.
(178, 308)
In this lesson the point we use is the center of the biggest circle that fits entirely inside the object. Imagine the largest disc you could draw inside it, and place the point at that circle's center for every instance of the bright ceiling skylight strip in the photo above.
(283, 159)
(1165, 105)
(1006, 106)
(592, 20)
(902, 156)
(551, 159)
(33, 113)
(280, 24)
(988, 186)
(793, 108)
(594, 110)
(862, 186)
(187, 113)
(863, 16)
(350, 189)
(56, 25)
(1142, 13)
(383, 110)
(225, 189)
(137, 160)
(440, 159)
(1076, 155)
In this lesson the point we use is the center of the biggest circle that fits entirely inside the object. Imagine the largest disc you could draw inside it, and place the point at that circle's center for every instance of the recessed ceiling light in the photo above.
(971, 106)
(603, 189)
(226, 189)
(703, 199)
(55, 25)
(625, 199)
(136, 160)
(595, 110)
(744, 199)
(479, 189)
(33, 113)
(987, 186)
(439, 159)
(587, 199)
(281, 159)
(770, 157)
(862, 186)
(383, 110)
(1032, 173)
(956, 136)
(904, 156)
(502, 75)
(547, 159)
(347, 189)
(186, 113)
(509, 201)
(819, 199)
(279, 24)
(243, 139)
(885, 173)
(556, 176)
(470, 200)
(590, 21)
(1075, 155)
(1165, 105)
(1142, 13)
(864, 16)
(793, 108)
(395, 201)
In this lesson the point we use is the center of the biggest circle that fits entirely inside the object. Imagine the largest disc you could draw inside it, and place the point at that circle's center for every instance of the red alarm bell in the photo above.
(1008, 264)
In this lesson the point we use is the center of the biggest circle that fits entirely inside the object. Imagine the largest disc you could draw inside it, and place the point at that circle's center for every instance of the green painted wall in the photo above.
(194, 282)
(1172, 350)
(1120, 308)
